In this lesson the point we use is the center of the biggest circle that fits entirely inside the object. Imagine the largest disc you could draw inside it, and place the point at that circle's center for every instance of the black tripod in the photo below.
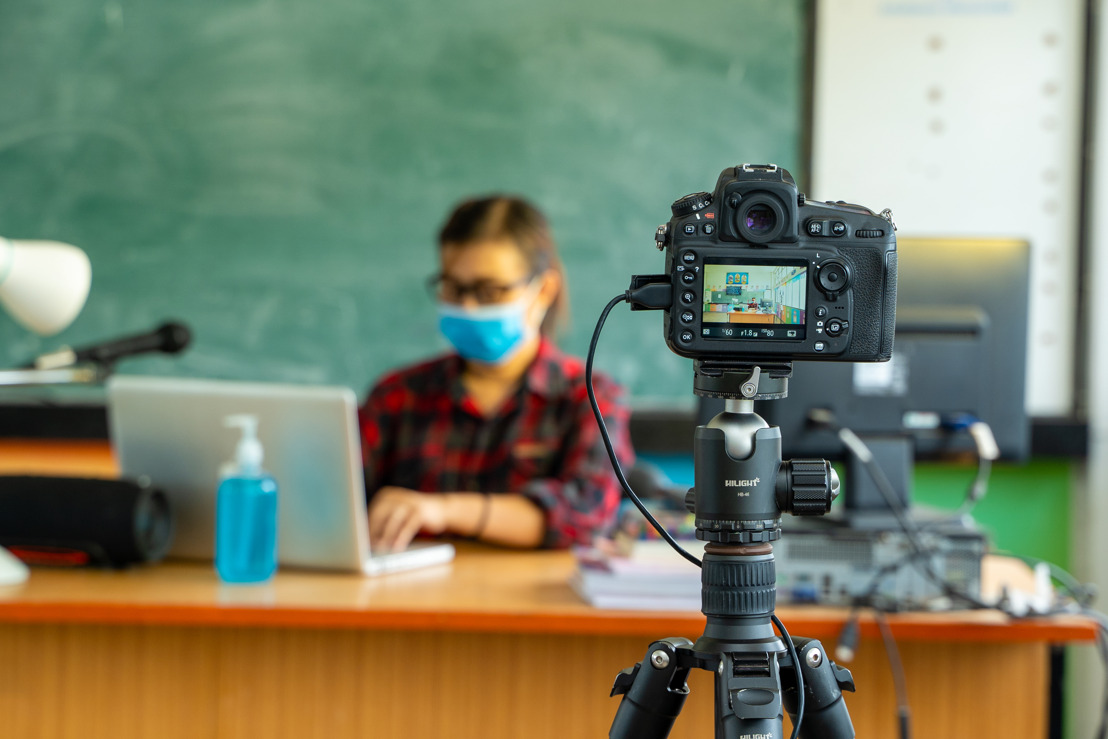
(741, 489)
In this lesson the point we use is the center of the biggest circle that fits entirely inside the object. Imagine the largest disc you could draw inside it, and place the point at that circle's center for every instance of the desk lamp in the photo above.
(43, 285)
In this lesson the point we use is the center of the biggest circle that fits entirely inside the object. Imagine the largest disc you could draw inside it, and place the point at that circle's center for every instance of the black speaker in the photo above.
(72, 521)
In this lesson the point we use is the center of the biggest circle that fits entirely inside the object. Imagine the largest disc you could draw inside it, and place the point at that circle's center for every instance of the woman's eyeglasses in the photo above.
(485, 292)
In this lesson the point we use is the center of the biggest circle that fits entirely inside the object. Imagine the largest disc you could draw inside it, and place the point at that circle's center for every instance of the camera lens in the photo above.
(760, 219)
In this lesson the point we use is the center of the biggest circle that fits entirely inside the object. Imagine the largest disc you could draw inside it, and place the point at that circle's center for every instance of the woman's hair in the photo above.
(510, 218)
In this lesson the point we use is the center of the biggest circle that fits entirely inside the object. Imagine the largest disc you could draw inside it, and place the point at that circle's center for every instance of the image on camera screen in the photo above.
(755, 301)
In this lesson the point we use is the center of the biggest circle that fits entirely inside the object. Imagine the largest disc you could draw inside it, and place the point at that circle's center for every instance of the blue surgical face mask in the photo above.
(487, 333)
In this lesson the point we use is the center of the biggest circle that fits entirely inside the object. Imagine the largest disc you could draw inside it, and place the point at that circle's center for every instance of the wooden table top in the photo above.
(485, 590)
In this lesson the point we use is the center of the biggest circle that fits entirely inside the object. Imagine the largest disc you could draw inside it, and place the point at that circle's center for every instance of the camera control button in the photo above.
(708, 229)
(838, 228)
(687, 316)
(686, 336)
(821, 311)
(688, 277)
(688, 297)
(815, 228)
(688, 257)
(820, 346)
(833, 277)
(835, 327)
(690, 229)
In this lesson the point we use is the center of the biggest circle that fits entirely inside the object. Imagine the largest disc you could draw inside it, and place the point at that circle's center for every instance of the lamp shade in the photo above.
(43, 284)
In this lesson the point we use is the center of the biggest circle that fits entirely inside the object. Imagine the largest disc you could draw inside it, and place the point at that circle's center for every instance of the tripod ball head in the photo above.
(741, 485)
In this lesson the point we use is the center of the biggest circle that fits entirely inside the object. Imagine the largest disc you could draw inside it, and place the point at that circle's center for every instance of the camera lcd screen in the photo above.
(757, 301)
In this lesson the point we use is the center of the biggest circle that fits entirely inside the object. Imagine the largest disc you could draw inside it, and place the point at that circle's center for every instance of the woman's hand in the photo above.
(397, 514)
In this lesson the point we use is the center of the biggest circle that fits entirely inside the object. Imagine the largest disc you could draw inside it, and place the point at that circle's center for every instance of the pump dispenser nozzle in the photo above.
(248, 453)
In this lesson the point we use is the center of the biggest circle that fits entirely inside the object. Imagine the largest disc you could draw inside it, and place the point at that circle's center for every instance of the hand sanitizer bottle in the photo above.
(246, 511)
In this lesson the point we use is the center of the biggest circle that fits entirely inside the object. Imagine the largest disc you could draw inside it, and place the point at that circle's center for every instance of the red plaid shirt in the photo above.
(421, 431)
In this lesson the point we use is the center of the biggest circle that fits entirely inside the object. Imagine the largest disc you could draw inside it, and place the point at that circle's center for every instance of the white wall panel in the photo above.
(964, 118)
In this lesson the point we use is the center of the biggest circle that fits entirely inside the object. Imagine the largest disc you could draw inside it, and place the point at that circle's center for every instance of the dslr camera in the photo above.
(760, 273)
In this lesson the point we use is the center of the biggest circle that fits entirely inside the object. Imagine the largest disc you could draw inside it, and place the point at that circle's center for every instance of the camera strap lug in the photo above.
(660, 235)
(887, 214)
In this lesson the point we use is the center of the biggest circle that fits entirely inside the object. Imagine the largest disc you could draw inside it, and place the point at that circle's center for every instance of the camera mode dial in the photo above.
(691, 204)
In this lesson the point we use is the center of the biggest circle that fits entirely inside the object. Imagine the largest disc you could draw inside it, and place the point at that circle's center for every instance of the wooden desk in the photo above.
(493, 645)
(75, 458)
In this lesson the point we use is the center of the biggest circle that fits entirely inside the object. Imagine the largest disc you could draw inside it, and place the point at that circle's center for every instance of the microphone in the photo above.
(170, 338)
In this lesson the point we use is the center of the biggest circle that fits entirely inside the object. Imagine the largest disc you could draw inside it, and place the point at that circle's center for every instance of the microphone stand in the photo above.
(741, 489)
(68, 376)
(91, 365)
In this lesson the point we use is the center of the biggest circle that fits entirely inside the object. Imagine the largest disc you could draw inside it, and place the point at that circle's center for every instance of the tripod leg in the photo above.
(748, 696)
(825, 713)
(653, 691)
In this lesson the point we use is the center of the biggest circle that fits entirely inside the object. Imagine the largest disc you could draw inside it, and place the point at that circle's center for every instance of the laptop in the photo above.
(170, 431)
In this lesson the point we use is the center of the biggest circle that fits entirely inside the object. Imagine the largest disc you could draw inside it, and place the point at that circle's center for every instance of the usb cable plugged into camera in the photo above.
(650, 292)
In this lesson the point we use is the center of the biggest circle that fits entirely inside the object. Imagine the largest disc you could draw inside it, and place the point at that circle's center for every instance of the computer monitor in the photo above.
(960, 351)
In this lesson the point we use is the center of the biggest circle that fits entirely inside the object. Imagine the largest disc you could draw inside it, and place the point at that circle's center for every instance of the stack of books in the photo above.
(651, 576)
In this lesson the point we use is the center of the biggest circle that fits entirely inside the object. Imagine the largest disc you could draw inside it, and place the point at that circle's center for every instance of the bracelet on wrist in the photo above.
(482, 517)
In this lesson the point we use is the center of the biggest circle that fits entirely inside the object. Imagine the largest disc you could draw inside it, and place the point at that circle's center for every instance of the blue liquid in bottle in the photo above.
(246, 529)
(246, 511)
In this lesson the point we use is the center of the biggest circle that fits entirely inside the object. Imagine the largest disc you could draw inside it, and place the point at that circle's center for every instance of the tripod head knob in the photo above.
(807, 487)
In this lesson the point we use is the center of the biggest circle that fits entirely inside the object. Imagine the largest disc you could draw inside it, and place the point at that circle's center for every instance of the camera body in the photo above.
(760, 273)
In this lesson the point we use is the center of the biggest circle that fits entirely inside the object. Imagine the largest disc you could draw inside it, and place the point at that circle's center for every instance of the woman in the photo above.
(496, 441)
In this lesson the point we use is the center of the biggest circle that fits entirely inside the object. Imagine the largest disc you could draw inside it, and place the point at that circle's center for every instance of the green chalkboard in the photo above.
(273, 172)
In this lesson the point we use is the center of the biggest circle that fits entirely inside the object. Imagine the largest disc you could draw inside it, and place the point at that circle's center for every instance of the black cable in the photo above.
(608, 441)
(987, 451)
(799, 674)
(858, 448)
(1083, 595)
(977, 487)
(646, 513)
(867, 597)
(975, 492)
(919, 552)
(846, 646)
(900, 683)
